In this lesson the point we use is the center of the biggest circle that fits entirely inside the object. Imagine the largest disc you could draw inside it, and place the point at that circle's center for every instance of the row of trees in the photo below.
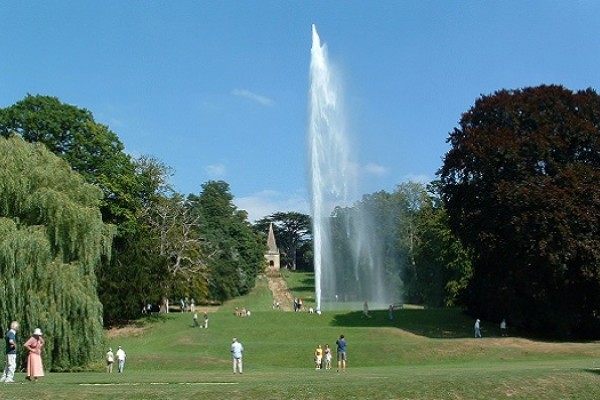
(90, 235)
(409, 226)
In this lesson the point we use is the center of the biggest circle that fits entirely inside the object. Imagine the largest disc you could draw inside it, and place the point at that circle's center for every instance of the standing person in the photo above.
(318, 357)
(110, 360)
(503, 328)
(391, 312)
(11, 353)
(205, 320)
(341, 353)
(477, 329)
(34, 345)
(236, 352)
(121, 356)
(327, 357)
(196, 324)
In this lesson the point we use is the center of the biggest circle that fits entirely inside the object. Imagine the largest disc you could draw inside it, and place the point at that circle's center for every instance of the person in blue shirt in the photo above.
(341, 353)
(11, 353)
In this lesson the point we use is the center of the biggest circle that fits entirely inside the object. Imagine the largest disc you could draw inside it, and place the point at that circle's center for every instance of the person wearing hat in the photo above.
(35, 369)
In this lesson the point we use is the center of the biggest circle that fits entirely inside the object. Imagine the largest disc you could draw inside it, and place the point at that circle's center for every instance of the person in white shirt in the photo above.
(121, 359)
(236, 351)
(11, 353)
(477, 329)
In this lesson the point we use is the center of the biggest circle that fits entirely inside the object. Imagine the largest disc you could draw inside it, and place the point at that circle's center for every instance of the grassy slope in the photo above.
(422, 354)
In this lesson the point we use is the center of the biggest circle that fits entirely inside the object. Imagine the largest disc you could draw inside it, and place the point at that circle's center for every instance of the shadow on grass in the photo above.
(595, 371)
(432, 323)
(309, 289)
(304, 285)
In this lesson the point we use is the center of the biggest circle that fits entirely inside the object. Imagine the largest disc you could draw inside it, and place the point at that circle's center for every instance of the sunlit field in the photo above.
(421, 354)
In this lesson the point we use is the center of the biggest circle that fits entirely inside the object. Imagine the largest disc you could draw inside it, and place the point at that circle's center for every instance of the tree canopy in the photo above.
(520, 185)
(89, 147)
(51, 240)
(294, 238)
(233, 252)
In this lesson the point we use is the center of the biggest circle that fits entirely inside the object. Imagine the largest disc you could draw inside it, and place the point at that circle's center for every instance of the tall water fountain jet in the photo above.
(353, 271)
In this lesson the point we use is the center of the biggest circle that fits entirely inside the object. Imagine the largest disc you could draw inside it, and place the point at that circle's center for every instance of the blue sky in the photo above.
(219, 89)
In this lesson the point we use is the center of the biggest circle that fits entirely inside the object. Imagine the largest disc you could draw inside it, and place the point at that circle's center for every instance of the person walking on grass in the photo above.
(11, 353)
(33, 346)
(477, 328)
(121, 356)
(110, 360)
(236, 353)
(341, 353)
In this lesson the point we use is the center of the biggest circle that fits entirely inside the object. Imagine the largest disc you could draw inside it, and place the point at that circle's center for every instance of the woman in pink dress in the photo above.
(34, 345)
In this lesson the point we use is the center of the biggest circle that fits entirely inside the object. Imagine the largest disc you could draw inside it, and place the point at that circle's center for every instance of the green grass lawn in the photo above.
(421, 354)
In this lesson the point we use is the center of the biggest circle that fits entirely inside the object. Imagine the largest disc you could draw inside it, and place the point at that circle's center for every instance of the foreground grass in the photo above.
(421, 354)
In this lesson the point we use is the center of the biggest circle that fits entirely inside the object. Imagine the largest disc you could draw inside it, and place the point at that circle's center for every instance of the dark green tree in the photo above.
(51, 240)
(233, 252)
(292, 231)
(520, 185)
(95, 152)
(89, 147)
(442, 265)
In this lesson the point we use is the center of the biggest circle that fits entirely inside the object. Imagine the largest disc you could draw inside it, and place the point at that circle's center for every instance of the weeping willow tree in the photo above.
(51, 239)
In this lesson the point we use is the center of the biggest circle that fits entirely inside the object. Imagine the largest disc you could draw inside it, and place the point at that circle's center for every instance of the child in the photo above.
(327, 357)
(318, 357)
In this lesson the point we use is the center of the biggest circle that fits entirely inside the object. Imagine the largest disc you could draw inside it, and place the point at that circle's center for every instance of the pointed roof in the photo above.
(271, 244)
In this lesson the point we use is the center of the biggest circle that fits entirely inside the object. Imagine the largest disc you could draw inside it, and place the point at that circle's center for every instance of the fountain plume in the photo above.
(357, 270)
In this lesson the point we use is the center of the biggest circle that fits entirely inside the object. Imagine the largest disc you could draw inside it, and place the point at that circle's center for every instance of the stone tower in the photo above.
(272, 256)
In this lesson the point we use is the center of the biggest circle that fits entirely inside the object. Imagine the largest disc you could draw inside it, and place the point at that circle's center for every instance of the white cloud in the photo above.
(265, 101)
(216, 171)
(375, 169)
(261, 204)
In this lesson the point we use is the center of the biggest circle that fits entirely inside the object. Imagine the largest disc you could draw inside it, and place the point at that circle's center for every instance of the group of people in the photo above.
(297, 304)
(33, 346)
(320, 354)
(325, 354)
(110, 360)
(197, 322)
(241, 313)
(477, 327)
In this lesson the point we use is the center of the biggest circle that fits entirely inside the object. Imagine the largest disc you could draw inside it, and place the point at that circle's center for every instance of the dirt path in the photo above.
(280, 291)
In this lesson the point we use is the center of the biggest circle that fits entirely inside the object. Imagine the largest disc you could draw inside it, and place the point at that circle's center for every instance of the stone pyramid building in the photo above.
(272, 256)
